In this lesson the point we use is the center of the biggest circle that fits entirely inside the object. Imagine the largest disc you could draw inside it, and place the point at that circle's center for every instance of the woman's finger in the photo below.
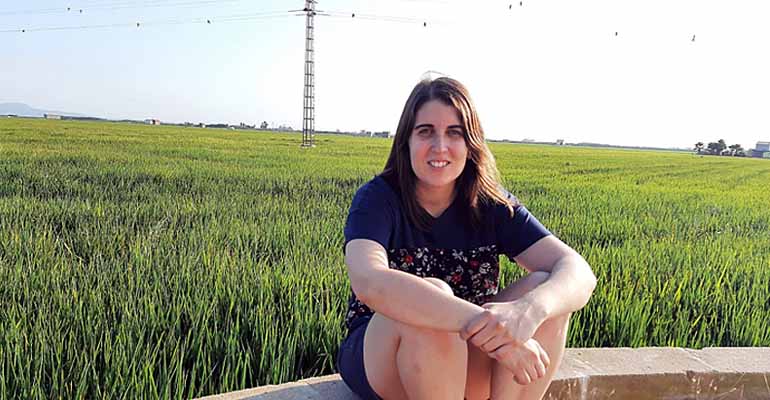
(475, 325)
(544, 357)
(539, 369)
(541, 353)
(485, 334)
(522, 377)
(502, 352)
(493, 344)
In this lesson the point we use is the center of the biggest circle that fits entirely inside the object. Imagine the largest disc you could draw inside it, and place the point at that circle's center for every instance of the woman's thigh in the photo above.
(381, 343)
(380, 349)
(478, 384)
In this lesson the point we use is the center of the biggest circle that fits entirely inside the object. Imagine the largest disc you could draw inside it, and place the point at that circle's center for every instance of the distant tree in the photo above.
(736, 150)
(263, 125)
(716, 148)
(699, 147)
(722, 146)
(713, 148)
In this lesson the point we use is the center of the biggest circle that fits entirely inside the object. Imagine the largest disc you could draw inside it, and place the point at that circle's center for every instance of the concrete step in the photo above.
(714, 373)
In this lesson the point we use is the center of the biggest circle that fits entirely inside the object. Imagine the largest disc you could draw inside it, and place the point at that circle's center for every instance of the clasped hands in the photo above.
(504, 331)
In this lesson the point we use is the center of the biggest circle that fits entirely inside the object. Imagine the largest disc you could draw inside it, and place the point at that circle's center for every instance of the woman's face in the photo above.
(437, 147)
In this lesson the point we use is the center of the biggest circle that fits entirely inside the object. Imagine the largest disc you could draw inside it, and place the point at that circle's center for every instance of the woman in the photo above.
(422, 243)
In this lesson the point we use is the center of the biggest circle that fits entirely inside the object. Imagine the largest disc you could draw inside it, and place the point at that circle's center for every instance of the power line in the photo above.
(376, 17)
(139, 24)
(120, 6)
(252, 16)
(127, 4)
(144, 4)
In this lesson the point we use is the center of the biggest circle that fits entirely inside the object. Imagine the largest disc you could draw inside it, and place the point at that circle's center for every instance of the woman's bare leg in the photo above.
(479, 379)
(552, 336)
(407, 362)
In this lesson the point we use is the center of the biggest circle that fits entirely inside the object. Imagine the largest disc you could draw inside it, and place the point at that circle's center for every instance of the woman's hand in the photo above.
(504, 331)
(527, 362)
(503, 323)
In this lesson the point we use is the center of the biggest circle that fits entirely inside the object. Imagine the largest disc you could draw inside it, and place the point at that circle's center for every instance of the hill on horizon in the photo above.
(23, 110)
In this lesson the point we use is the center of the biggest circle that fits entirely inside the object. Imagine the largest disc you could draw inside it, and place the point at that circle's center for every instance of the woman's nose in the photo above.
(439, 143)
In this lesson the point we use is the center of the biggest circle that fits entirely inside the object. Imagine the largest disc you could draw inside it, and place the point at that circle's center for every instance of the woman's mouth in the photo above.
(438, 164)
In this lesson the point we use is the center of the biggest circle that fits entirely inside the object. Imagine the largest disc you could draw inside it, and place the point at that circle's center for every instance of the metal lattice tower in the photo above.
(308, 108)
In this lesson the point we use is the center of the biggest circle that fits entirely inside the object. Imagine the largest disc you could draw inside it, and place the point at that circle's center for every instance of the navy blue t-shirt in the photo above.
(465, 258)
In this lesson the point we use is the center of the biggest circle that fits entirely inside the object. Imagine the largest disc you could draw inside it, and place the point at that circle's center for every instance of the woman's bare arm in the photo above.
(401, 296)
(571, 280)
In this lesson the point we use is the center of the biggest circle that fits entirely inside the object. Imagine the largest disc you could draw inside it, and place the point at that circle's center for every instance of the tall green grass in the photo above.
(140, 261)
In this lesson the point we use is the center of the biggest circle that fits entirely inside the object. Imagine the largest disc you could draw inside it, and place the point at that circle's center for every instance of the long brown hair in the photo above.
(479, 182)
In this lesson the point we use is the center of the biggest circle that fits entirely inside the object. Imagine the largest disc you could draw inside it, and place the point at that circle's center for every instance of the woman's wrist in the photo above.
(539, 306)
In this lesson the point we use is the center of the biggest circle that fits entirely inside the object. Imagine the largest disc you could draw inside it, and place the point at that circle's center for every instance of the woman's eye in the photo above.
(455, 133)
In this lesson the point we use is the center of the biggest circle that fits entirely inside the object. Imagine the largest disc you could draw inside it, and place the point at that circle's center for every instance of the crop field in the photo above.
(167, 262)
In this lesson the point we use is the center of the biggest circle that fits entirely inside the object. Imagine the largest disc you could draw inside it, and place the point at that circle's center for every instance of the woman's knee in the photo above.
(555, 326)
(431, 339)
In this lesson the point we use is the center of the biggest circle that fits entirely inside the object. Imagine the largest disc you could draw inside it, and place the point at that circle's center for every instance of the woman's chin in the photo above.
(436, 184)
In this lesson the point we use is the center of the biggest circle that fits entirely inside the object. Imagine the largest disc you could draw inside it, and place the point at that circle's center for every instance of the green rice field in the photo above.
(169, 262)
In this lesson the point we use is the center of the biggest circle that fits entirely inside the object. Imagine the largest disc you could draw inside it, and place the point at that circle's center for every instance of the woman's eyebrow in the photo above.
(431, 126)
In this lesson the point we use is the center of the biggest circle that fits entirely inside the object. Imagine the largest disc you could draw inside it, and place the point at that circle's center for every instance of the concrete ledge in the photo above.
(618, 373)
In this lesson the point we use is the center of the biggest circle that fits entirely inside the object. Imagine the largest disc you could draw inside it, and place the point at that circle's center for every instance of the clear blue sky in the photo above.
(546, 70)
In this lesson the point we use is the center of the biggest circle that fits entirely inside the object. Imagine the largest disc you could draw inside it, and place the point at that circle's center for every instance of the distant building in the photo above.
(560, 142)
(762, 150)
(383, 134)
(760, 154)
(51, 116)
(152, 121)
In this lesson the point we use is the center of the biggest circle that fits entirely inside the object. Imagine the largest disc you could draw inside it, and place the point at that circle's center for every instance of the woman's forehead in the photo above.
(437, 110)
